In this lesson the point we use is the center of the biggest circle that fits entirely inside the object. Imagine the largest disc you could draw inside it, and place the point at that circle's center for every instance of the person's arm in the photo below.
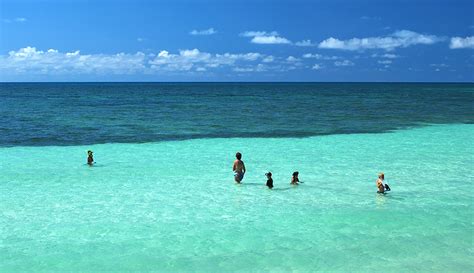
(379, 183)
(243, 167)
(233, 167)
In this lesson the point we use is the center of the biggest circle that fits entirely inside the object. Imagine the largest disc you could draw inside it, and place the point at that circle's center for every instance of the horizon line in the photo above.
(204, 82)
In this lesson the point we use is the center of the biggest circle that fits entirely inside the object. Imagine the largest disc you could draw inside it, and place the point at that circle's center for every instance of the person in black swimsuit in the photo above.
(90, 158)
(294, 179)
(269, 180)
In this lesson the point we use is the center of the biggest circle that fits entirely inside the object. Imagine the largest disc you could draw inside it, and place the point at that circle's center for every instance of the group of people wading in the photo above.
(239, 171)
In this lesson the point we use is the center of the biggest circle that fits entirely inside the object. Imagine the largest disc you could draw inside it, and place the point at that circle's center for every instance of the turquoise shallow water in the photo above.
(173, 206)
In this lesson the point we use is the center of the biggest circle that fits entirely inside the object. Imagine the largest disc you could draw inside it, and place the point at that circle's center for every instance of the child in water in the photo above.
(294, 179)
(90, 158)
(269, 180)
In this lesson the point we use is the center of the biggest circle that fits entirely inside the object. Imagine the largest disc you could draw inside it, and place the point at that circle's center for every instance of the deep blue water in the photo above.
(36, 114)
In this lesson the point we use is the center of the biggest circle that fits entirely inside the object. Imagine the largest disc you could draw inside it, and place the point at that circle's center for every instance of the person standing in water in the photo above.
(238, 168)
(294, 179)
(90, 158)
(380, 185)
(269, 180)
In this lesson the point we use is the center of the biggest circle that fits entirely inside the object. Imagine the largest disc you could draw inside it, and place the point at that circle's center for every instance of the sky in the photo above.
(196, 40)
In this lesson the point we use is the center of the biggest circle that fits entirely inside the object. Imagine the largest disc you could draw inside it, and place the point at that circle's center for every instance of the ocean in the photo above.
(161, 197)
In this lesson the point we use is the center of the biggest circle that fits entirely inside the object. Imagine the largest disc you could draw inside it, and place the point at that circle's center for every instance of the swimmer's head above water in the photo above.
(294, 178)
(238, 155)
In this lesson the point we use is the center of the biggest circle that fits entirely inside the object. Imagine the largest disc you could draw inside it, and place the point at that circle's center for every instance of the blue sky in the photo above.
(357, 40)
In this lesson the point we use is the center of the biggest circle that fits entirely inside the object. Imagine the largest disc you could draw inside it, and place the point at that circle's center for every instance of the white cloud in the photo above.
(384, 62)
(30, 60)
(292, 59)
(258, 33)
(72, 54)
(243, 69)
(402, 38)
(270, 40)
(268, 59)
(305, 43)
(247, 69)
(316, 67)
(263, 37)
(187, 59)
(343, 63)
(164, 54)
(320, 57)
(208, 31)
(459, 42)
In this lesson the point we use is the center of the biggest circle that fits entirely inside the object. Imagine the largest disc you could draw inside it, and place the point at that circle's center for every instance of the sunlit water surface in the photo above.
(173, 206)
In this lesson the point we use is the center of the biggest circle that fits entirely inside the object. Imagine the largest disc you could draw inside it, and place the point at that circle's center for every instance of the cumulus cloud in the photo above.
(208, 31)
(402, 38)
(459, 42)
(343, 63)
(187, 59)
(316, 67)
(30, 60)
(292, 59)
(270, 40)
(263, 37)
